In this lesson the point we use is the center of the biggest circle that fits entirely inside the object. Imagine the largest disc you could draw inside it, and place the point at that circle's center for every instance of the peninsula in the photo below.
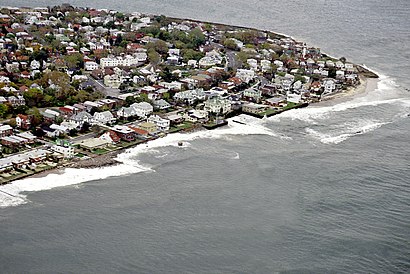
(77, 85)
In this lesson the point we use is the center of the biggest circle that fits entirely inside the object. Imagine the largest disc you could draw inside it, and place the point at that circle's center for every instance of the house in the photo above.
(23, 121)
(126, 112)
(161, 123)
(252, 94)
(143, 109)
(63, 147)
(189, 97)
(61, 130)
(211, 58)
(16, 101)
(49, 132)
(5, 165)
(141, 133)
(93, 144)
(5, 130)
(276, 101)
(81, 118)
(112, 81)
(293, 98)
(246, 75)
(329, 85)
(28, 136)
(20, 160)
(161, 104)
(13, 141)
(148, 126)
(50, 115)
(217, 105)
(103, 118)
(90, 105)
(90, 66)
(254, 108)
(124, 132)
(68, 111)
(196, 116)
(110, 136)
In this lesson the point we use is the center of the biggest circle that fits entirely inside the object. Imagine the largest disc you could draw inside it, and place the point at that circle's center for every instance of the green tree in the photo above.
(37, 117)
(3, 110)
(196, 37)
(190, 54)
(230, 44)
(34, 97)
(154, 57)
(74, 61)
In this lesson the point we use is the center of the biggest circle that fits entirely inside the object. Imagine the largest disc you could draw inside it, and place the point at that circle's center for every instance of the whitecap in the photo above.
(12, 194)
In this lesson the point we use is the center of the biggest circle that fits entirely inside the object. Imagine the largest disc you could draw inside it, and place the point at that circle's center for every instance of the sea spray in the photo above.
(14, 193)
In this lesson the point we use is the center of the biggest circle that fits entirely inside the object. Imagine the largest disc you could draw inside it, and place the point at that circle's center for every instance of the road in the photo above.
(112, 92)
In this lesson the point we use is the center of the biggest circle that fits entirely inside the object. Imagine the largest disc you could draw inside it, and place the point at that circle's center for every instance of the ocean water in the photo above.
(323, 189)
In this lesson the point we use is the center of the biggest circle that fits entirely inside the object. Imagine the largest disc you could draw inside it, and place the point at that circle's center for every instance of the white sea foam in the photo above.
(385, 93)
(347, 130)
(14, 193)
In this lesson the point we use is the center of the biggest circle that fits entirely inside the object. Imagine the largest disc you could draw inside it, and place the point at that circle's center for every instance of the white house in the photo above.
(293, 98)
(103, 118)
(125, 112)
(161, 123)
(329, 86)
(112, 81)
(35, 65)
(253, 64)
(143, 109)
(63, 147)
(217, 105)
(246, 75)
(90, 65)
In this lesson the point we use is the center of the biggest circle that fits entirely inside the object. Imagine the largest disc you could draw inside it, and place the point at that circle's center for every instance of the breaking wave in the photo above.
(14, 194)
(338, 137)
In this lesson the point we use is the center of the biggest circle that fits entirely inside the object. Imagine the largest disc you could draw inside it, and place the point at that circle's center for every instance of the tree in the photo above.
(196, 37)
(75, 60)
(85, 127)
(34, 97)
(3, 110)
(190, 54)
(154, 57)
(12, 122)
(230, 44)
(37, 117)
(159, 46)
(130, 100)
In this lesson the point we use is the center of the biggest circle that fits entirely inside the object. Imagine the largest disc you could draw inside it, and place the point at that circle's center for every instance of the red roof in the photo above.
(139, 130)
(114, 136)
(22, 117)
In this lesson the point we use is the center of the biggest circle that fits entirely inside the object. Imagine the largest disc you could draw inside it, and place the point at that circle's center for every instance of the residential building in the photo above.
(161, 123)
(23, 121)
(217, 105)
(103, 118)
(143, 109)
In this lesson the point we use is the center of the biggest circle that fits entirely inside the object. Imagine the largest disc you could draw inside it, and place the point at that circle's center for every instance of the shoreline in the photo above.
(109, 159)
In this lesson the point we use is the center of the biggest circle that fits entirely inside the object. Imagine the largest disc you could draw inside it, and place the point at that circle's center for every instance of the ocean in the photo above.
(324, 189)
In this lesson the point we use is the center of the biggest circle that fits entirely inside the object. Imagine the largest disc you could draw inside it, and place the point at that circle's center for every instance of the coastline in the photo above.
(109, 159)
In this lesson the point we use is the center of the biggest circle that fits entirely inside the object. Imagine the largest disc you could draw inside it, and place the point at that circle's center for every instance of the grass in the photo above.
(271, 111)
(100, 151)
